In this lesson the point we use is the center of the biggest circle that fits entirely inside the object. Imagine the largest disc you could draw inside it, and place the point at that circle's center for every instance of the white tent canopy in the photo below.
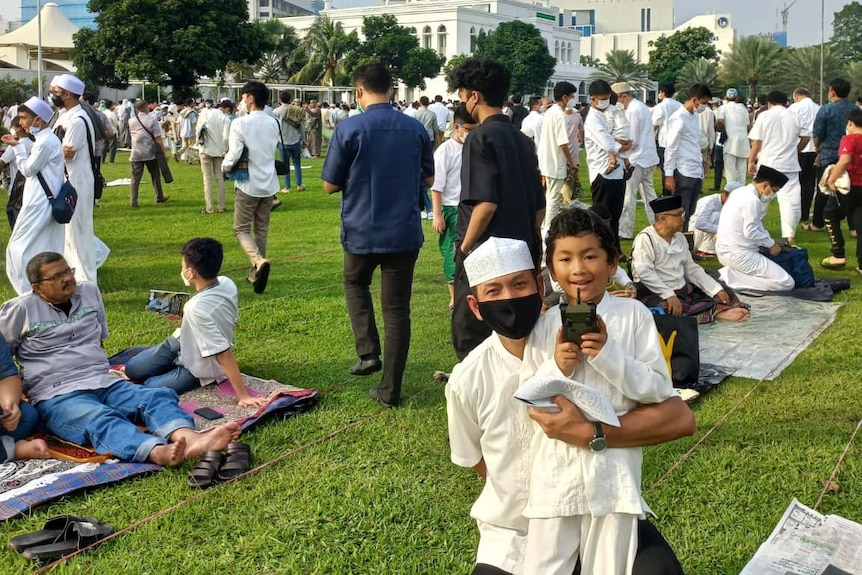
(18, 48)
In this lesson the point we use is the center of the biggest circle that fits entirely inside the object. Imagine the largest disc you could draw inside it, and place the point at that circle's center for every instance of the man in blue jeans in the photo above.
(292, 120)
(56, 332)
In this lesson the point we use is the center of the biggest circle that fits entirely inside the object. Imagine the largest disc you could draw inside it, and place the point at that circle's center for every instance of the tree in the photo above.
(325, 46)
(14, 90)
(165, 41)
(589, 61)
(800, 67)
(671, 53)
(854, 76)
(622, 66)
(751, 61)
(700, 71)
(521, 47)
(453, 63)
(285, 58)
(393, 45)
(847, 33)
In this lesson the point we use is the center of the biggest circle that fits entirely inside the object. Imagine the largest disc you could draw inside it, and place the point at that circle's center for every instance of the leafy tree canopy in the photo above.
(847, 32)
(589, 61)
(622, 66)
(169, 42)
(752, 61)
(388, 42)
(671, 53)
(521, 47)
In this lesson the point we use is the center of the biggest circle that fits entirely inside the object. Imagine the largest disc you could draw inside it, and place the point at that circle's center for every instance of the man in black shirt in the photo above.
(501, 188)
(519, 110)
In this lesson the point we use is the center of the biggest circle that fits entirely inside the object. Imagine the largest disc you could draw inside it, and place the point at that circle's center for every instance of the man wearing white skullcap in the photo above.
(35, 230)
(704, 221)
(487, 432)
(75, 130)
(731, 119)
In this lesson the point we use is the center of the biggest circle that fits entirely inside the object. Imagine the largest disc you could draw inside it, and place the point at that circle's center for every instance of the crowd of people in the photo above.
(501, 182)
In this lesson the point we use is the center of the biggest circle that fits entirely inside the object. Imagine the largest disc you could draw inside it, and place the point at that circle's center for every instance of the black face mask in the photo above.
(512, 318)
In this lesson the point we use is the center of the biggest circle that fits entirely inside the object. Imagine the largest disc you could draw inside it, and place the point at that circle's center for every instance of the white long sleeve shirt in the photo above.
(660, 115)
(643, 153)
(599, 145)
(258, 132)
(778, 131)
(705, 217)
(735, 117)
(806, 111)
(663, 267)
(682, 151)
(740, 227)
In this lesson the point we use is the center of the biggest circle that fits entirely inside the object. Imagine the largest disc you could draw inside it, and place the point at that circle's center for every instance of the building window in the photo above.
(569, 53)
(472, 39)
(264, 3)
(646, 19)
(264, 14)
(441, 40)
(426, 37)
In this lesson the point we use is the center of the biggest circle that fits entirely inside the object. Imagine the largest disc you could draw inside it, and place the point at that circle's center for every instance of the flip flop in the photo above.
(237, 461)
(808, 227)
(51, 532)
(826, 264)
(76, 536)
(206, 470)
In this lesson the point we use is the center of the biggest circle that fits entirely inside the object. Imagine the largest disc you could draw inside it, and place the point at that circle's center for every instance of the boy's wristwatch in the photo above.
(598, 443)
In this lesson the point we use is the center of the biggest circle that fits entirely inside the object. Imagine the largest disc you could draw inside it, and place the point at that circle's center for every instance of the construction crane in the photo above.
(785, 13)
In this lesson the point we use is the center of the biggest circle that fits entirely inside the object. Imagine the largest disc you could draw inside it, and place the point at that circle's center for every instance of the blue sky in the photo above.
(749, 17)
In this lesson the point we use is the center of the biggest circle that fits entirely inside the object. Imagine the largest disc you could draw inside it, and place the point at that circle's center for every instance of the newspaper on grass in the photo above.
(595, 405)
(807, 543)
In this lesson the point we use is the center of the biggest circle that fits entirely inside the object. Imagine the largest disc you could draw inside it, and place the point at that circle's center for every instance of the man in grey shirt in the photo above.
(146, 135)
(56, 334)
(292, 130)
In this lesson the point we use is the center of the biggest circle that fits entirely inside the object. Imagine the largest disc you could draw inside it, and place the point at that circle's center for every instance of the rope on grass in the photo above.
(832, 477)
(724, 417)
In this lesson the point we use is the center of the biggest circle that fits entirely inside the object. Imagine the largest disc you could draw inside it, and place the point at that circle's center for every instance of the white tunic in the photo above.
(660, 114)
(36, 230)
(552, 160)
(805, 111)
(740, 236)
(735, 116)
(599, 145)
(682, 151)
(778, 131)
(663, 267)
(566, 480)
(643, 152)
(485, 423)
(533, 122)
(80, 249)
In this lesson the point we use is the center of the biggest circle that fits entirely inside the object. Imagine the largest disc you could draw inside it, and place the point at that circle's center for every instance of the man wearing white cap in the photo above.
(704, 221)
(643, 158)
(75, 130)
(731, 119)
(35, 230)
(488, 432)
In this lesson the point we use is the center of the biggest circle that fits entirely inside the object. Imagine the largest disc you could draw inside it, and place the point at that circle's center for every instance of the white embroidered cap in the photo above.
(495, 258)
(69, 83)
(39, 107)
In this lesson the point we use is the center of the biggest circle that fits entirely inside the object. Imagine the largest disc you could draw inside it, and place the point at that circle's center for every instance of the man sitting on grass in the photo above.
(201, 351)
(56, 332)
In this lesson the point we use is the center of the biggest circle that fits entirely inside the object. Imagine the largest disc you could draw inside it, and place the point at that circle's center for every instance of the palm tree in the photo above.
(622, 66)
(281, 60)
(325, 46)
(801, 68)
(751, 60)
(700, 71)
(854, 76)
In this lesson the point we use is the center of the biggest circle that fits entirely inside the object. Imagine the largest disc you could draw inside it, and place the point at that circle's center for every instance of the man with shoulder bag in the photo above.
(145, 146)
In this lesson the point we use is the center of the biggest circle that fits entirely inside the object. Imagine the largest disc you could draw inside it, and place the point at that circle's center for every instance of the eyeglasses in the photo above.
(58, 276)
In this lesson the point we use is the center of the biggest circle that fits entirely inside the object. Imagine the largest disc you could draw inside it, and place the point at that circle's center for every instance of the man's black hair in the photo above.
(191, 101)
(89, 97)
(841, 87)
(761, 99)
(438, 98)
(373, 77)
(668, 90)
(517, 98)
(534, 102)
(577, 222)
(205, 255)
(855, 116)
(461, 116)
(34, 266)
(777, 98)
(423, 101)
(285, 97)
(599, 88)
(563, 89)
(699, 91)
(484, 75)
(108, 104)
(258, 92)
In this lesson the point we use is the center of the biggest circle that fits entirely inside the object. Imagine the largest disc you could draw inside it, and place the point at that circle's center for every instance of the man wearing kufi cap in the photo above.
(741, 236)
(643, 158)
(487, 431)
(732, 120)
(76, 132)
(667, 276)
(776, 140)
(35, 230)
(704, 221)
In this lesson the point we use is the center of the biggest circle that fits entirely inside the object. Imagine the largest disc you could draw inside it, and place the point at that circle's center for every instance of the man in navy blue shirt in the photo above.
(380, 223)
(830, 125)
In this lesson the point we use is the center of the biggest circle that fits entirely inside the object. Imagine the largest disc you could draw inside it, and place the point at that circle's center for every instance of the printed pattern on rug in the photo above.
(779, 329)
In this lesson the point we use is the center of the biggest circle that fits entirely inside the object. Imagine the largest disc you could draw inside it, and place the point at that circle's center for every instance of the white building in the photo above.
(451, 27)
(266, 9)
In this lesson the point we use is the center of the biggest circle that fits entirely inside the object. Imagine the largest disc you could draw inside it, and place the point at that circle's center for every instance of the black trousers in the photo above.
(718, 166)
(612, 195)
(689, 189)
(467, 331)
(807, 181)
(396, 288)
(839, 207)
(818, 219)
(654, 556)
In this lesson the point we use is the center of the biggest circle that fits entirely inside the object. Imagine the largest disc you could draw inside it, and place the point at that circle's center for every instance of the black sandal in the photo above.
(237, 461)
(76, 536)
(206, 470)
(51, 532)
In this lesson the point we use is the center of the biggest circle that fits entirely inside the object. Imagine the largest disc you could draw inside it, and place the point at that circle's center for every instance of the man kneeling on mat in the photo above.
(56, 332)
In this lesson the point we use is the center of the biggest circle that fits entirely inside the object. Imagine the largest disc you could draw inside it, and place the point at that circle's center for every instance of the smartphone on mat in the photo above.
(208, 413)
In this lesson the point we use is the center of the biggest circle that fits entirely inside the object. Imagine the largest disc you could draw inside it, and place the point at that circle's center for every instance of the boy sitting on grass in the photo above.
(200, 352)
(587, 501)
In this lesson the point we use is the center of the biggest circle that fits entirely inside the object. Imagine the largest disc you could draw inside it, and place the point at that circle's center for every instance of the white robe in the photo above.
(740, 236)
(705, 223)
(80, 249)
(35, 230)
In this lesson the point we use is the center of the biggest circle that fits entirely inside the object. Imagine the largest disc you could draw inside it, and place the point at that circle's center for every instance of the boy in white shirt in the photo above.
(200, 352)
(587, 502)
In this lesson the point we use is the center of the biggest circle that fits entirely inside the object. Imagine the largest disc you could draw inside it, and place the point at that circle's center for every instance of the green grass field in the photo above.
(374, 491)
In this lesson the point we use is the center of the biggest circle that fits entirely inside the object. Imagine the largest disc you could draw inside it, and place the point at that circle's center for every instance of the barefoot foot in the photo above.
(170, 455)
(32, 449)
(735, 314)
(215, 439)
